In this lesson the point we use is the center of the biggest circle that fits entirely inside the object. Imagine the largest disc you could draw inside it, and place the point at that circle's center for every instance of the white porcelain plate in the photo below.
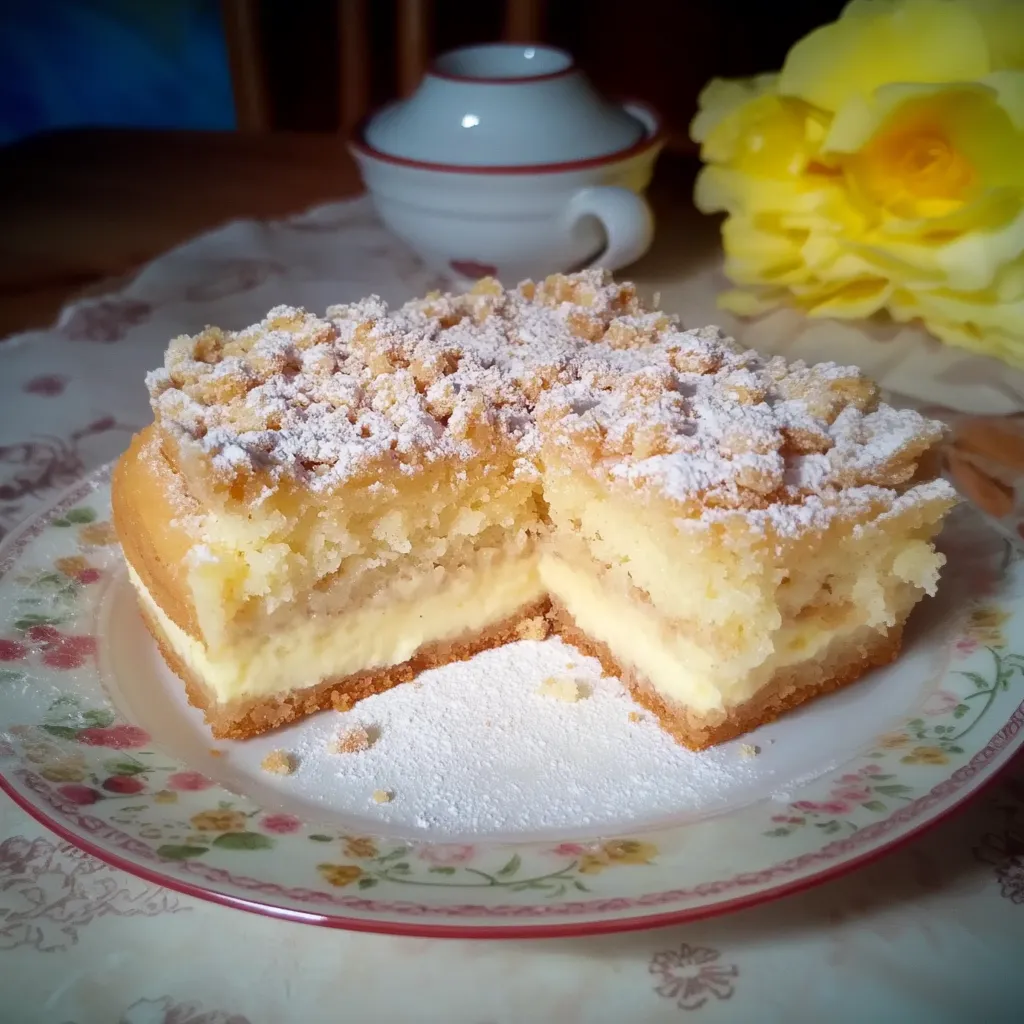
(511, 813)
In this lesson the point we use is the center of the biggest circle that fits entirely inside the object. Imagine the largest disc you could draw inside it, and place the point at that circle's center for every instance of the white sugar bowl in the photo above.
(506, 162)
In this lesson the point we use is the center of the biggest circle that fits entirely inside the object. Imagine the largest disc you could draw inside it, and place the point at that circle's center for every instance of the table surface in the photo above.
(81, 206)
(932, 931)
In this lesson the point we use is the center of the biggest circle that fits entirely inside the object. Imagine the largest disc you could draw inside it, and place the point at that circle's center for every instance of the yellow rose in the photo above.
(876, 42)
(881, 169)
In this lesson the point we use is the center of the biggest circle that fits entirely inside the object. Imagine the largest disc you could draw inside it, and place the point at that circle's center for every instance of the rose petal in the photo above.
(920, 42)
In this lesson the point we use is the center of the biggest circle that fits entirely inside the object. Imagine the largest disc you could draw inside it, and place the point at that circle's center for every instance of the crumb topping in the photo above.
(575, 365)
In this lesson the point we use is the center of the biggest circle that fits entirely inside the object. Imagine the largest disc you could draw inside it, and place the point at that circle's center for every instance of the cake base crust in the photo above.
(242, 720)
(842, 663)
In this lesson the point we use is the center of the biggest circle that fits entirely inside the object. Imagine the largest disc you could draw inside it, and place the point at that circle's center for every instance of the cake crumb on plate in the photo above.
(749, 750)
(567, 690)
(383, 796)
(279, 762)
(353, 741)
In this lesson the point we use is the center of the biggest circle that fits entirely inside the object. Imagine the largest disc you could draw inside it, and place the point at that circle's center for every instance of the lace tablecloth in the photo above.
(933, 931)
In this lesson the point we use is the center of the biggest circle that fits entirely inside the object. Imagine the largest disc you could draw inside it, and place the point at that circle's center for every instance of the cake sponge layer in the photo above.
(260, 568)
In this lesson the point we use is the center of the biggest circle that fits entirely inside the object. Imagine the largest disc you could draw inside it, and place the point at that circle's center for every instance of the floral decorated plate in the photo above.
(484, 804)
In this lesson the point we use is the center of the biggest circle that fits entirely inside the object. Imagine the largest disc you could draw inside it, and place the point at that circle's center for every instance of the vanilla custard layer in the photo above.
(314, 648)
(640, 635)
(688, 673)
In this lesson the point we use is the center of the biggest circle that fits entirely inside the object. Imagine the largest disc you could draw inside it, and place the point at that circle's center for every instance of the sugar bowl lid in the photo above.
(504, 105)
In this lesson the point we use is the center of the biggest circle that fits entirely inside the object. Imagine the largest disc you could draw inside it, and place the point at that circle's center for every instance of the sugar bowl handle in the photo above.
(626, 218)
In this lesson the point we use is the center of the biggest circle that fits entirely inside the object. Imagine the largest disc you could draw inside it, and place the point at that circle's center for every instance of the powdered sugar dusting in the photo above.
(574, 367)
(477, 748)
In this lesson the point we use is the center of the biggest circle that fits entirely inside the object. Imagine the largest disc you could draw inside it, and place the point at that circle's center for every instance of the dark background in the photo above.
(163, 63)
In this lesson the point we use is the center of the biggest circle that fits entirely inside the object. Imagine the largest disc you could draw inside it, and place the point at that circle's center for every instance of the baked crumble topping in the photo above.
(575, 361)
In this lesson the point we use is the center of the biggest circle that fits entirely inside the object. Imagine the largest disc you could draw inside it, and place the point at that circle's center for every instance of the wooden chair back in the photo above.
(523, 22)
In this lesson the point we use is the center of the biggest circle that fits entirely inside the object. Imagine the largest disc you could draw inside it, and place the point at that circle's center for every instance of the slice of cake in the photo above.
(325, 507)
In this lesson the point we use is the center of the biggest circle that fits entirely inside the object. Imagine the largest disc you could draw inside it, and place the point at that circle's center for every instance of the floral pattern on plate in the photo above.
(69, 756)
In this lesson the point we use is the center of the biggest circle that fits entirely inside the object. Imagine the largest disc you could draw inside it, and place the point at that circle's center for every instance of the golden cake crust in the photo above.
(149, 500)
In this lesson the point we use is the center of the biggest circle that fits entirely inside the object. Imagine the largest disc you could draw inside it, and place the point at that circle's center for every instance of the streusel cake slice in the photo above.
(324, 507)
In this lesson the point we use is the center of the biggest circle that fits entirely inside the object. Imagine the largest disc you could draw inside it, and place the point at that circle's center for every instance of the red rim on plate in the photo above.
(539, 931)
(817, 863)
